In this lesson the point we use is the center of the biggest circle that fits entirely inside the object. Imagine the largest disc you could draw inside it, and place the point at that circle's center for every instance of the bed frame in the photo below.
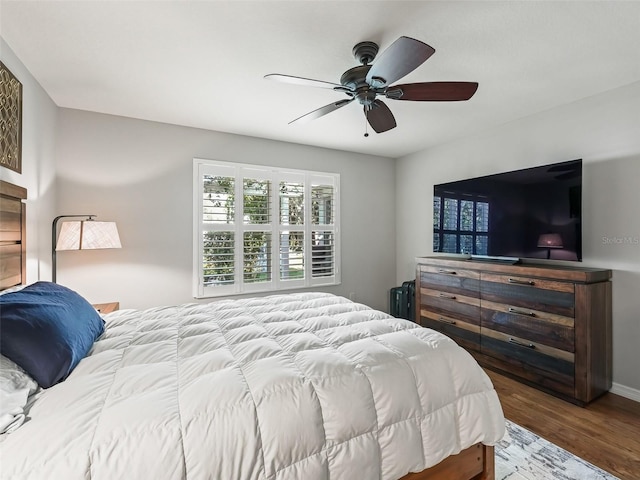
(474, 463)
(13, 255)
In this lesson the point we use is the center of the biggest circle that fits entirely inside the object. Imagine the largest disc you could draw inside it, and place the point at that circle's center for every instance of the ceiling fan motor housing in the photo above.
(355, 78)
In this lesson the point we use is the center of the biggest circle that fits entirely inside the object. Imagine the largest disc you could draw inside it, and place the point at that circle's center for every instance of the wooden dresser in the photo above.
(546, 325)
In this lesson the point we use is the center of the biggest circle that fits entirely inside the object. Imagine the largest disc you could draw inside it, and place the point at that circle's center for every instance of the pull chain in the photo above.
(366, 125)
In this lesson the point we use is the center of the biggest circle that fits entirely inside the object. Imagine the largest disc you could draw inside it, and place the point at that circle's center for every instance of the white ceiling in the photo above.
(201, 63)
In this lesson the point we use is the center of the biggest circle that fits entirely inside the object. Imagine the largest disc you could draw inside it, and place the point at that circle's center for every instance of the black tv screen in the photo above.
(535, 213)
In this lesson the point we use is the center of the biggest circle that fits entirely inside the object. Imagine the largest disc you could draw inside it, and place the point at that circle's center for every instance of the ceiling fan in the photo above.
(367, 81)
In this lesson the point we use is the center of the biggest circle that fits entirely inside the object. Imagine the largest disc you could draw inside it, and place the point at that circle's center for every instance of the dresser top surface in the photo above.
(557, 271)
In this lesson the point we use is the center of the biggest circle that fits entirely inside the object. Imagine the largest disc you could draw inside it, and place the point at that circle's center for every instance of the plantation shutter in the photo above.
(262, 228)
(323, 230)
(257, 229)
(217, 233)
(291, 229)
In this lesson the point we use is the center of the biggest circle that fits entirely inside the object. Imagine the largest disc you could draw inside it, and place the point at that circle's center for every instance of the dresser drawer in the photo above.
(464, 333)
(454, 281)
(454, 305)
(543, 365)
(535, 326)
(529, 293)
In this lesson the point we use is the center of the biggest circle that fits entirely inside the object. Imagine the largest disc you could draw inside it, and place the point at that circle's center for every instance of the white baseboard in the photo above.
(624, 391)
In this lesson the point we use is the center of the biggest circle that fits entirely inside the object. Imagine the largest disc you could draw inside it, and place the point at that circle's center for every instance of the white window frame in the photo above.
(202, 167)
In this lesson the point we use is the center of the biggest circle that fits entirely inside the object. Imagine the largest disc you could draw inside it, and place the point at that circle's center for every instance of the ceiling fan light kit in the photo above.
(366, 81)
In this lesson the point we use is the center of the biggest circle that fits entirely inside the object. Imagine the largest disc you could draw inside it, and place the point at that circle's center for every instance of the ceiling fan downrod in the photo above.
(366, 127)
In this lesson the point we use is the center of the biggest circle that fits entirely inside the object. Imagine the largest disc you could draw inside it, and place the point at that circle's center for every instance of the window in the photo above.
(460, 225)
(263, 228)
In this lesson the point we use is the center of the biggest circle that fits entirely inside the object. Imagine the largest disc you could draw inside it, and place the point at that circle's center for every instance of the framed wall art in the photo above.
(10, 120)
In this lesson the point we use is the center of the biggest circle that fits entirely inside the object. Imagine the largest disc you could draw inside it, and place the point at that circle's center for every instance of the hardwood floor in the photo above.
(606, 433)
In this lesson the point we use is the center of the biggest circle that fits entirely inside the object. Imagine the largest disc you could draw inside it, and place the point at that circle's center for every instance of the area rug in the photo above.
(522, 455)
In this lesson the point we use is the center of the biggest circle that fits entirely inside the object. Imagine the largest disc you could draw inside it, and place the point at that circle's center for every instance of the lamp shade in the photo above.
(550, 240)
(88, 235)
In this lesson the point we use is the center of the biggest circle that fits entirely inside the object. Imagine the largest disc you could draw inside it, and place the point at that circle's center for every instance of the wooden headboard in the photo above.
(13, 227)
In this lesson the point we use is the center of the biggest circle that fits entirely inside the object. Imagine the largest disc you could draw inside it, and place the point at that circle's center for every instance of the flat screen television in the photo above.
(534, 213)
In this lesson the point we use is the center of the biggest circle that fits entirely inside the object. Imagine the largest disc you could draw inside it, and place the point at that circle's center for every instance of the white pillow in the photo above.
(16, 288)
(15, 388)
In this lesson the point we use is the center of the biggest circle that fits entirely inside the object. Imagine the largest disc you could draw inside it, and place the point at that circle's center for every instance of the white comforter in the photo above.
(303, 386)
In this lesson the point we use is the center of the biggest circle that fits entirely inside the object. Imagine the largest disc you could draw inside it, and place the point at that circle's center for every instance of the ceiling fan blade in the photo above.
(433, 91)
(322, 111)
(380, 117)
(402, 57)
(305, 82)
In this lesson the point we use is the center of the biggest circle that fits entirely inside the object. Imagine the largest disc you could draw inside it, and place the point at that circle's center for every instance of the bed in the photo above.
(306, 385)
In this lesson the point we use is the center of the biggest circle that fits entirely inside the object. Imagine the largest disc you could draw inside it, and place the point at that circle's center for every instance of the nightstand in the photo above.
(106, 307)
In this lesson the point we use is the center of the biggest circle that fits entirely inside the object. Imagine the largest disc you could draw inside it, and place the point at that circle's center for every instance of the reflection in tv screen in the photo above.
(530, 213)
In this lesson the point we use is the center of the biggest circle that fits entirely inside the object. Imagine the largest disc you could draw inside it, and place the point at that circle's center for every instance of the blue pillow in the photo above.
(47, 329)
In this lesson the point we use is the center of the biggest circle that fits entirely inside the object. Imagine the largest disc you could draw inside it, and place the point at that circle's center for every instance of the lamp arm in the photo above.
(54, 230)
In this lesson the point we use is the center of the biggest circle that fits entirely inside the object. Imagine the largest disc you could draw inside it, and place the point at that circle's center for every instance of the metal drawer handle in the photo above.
(448, 272)
(521, 312)
(520, 344)
(521, 282)
(446, 295)
(446, 320)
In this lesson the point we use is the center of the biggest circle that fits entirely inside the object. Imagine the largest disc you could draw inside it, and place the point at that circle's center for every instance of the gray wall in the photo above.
(39, 128)
(139, 174)
(604, 131)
